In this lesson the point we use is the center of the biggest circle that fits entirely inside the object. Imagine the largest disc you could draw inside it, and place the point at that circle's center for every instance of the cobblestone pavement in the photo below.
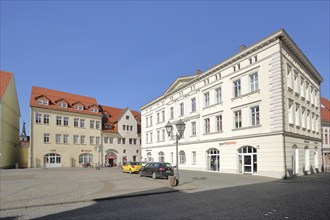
(31, 193)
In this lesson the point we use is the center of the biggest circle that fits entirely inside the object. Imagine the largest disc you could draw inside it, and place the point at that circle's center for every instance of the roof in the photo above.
(115, 115)
(5, 78)
(54, 97)
(281, 35)
(325, 110)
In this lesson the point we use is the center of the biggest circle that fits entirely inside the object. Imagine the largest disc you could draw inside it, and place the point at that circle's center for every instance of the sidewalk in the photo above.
(24, 188)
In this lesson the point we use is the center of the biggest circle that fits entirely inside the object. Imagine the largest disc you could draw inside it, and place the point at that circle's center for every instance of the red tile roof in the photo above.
(56, 96)
(5, 78)
(114, 115)
(325, 110)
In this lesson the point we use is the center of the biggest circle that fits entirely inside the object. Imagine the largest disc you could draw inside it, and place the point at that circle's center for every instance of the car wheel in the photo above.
(140, 174)
(130, 171)
(154, 175)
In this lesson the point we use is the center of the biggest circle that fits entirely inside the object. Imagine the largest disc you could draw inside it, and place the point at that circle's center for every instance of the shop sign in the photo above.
(52, 150)
(227, 143)
(86, 151)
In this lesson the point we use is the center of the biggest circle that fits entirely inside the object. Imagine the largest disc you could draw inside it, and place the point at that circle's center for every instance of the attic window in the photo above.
(78, 107)
(94, 110)
(62, 105)
(43, 102)
(127, 117)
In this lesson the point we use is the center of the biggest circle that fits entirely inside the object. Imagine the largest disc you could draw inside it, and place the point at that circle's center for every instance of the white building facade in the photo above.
(257, 112)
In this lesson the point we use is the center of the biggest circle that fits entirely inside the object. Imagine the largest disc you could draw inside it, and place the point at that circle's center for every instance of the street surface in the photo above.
(201, 195)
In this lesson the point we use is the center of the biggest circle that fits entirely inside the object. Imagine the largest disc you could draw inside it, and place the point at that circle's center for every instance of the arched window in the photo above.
(149, 157)
(161, 156)
(52, 160)
(306, 167)
(86, 158)
(182, 157)
(213, 159)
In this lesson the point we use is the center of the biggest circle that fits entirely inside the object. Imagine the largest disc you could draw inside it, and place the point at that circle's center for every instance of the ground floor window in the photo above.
(213, 159)
(247, 159)
(85, 158)
(149, 157)
(110, 159)
(52, 160)
(182, 156)
(161, 156)
(295, 160)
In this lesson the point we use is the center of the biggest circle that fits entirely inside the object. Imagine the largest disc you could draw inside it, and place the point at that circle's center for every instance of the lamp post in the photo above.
(180, 126)
(99, 149)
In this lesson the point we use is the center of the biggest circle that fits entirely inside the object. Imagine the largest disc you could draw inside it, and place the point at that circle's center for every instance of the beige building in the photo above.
(70, 130)
(9, 121)
(257, 112)
(65, 129)
(325, 119)
(121, 135)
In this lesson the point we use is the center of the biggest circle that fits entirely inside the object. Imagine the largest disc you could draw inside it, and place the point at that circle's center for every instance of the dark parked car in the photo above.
(157, 170)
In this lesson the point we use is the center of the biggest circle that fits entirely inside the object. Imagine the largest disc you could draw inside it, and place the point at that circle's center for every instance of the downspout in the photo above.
(31, 139)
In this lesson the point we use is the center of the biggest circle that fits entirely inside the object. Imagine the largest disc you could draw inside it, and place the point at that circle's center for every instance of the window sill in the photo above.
(249, 127)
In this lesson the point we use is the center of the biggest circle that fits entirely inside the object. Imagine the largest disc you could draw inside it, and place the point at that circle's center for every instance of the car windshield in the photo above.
(167, 165)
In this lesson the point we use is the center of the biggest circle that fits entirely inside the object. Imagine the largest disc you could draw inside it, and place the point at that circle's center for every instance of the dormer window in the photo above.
(43, 102)
(94, 110)
(78, 107)
(62, 105)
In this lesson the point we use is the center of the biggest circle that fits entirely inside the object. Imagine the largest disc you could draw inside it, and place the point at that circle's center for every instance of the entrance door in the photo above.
(52, 160)
(213, 160)
(247, 160)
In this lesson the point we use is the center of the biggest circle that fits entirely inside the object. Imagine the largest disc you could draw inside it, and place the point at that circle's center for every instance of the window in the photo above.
(308, 95)
(237, 88)
(158, 117)
(98, 140)
(119, 140)
(172, 112)
(308, 120)
(82, 139)
(58, 120)
(306, 159)
(66, 121)
(65, 138)
(86, 158)
(297, 114)
(91, 124)
(94, 110)
(91, 140)
(38, 118)
(193, 158)
(82, 123)
(75, 139)
(58, 139)
(206, 125)
(289, 76)
(46, 119)
(123, 140)
(290, 112)
(253, 59)
(150, 120)
(46, 138)
(98, 123)
(127, 117)
(62, 105)
(106, 140)
(163, 116)
(206, 99)
(219, 122)
(181, 109)
(78, 107)
(193, 128)
(182, 156)
(158, 136)
(110, 140)
(193, 105)
(130, 141)
(254, 82)
(218, 95)
(238, 119)
(255, 115)
(302, 87)
(303, 117)
(76, 122)
(124, 126)
(161, 156)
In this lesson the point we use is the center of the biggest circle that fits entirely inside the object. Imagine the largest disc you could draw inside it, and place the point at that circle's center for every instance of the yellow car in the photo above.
(132, 167)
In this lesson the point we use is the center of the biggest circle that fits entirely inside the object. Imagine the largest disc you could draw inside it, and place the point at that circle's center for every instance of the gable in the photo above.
(179, 82)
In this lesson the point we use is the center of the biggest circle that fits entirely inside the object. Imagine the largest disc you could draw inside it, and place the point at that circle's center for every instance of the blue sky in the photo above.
(127, 53)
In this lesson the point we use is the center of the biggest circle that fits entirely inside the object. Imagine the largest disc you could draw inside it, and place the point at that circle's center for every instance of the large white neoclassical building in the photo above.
(257, 112)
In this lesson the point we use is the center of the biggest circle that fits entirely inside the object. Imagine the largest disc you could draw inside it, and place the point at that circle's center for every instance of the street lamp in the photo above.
(180, 126)
(100, 150)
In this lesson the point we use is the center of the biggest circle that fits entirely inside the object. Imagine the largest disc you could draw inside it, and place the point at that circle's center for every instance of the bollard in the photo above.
(172, 181)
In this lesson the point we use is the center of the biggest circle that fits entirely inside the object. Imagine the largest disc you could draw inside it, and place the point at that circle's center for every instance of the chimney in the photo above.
(242, 47)
(198, 72)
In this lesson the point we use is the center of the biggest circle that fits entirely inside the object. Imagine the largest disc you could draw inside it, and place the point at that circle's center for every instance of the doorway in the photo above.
(213, 160)
(247, 160)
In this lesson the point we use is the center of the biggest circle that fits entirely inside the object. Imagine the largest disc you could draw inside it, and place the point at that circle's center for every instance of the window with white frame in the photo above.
(193, 158)
(307, 89)
(206, 99)
(302, 87)
(91, 124)
(76, 122)
(303, 117)
(219, 122)
(297, 115)
(253, 59)
(306, 167)
(66, 121)
(158, 119)
(218, 95)
(98, 140)
(290, 111)
(181, 109)
(65, 138)
(171, 113)
(75, 139)
(238, 119)
(91, 140)
(82, 139)
(151, 137)
(289, 76)
(58, 120)
(46, 119)
(158, 135)
(182, 157)
(255, 117)
(237, 88)
(150, 120)
(82, 123)
(193, 128)
(98, 125)
(206, 125)
(313, 122)
(58, 139)
(163, 116)
(254, 85)
(193, 104)
(163, 134)
(296, 82)
(46, 138)
(308, 120)
(38, 118)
